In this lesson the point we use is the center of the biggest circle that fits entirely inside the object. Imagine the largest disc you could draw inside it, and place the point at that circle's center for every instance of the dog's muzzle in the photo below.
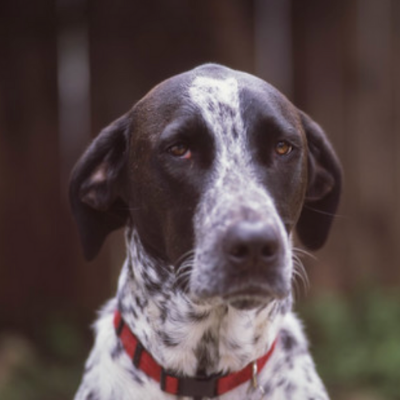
(254, 255)
(246, 263)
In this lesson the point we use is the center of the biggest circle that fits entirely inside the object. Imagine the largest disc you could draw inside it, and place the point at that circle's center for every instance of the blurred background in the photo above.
(70, 67)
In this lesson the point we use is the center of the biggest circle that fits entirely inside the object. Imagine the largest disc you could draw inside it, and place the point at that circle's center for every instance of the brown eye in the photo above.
(283, 148)
(180, 150)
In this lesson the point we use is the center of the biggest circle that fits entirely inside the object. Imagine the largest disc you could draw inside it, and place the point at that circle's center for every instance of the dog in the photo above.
(211, 173)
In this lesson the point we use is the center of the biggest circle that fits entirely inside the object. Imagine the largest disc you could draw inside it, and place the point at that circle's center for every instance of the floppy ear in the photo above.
(97, 186)
(324, 187)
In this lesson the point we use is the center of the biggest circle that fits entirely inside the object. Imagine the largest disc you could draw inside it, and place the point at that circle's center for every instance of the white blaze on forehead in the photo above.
(218, 101)
(224, 90)
(219, 104)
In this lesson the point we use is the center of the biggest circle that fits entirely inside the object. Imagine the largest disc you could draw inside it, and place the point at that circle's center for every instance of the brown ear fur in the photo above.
(97, 186)
(324, 187)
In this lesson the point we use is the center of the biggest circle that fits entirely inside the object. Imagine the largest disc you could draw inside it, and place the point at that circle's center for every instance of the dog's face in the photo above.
(213, 168)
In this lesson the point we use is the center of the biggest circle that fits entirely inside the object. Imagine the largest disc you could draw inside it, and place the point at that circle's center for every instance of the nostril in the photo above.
(239, 252)
(268, 250)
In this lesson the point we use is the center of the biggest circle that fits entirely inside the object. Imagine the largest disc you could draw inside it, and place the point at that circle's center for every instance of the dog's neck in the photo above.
(185, 337)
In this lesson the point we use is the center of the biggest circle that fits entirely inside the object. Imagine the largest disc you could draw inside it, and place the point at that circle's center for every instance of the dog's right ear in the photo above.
(97, 195)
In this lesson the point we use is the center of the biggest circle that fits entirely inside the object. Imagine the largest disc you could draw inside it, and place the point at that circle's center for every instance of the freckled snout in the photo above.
(254, 253)
(252, 245)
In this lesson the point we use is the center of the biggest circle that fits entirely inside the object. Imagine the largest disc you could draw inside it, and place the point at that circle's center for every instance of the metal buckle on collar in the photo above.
(255, 385)
(196, 388)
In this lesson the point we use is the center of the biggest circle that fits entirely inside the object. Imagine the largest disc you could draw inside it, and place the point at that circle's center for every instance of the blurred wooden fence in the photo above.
(344, 59)
(346, 64)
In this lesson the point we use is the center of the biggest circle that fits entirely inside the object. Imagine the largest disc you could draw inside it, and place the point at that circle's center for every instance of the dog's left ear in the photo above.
(97, 186)
(324, 187)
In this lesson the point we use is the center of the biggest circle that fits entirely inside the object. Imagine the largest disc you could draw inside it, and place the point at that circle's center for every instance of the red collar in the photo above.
(197, 387)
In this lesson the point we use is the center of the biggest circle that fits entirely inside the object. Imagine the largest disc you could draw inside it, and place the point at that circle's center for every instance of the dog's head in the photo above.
(214, 169)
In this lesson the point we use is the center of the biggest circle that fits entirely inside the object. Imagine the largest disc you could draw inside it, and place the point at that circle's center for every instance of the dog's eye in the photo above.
(180, 150)
(283, 148)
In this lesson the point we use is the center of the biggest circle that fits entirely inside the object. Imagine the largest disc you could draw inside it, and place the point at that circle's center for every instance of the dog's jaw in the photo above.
(186, 337)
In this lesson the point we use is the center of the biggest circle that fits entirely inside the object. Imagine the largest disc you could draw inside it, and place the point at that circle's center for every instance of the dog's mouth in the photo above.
(254, 296)
(246, 295)
(245, 301)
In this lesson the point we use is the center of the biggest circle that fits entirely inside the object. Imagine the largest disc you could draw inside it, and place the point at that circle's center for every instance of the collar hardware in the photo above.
(254, 378)
(192, 386)
(195, 387)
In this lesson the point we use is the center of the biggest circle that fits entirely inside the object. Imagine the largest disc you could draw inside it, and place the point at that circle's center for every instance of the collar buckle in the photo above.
(254, 375)
(195, 387)
(255, 385)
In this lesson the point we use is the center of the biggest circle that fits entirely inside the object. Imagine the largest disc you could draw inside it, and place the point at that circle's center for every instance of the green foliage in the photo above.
(53, 372)
(356, 341)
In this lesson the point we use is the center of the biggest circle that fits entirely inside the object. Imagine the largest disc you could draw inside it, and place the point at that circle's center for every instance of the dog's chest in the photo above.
(289, 373)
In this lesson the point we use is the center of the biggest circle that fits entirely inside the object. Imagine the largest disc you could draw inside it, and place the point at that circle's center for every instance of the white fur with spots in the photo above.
(176, 328)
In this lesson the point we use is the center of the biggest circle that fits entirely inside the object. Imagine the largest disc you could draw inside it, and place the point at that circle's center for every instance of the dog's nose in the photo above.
(252, 244)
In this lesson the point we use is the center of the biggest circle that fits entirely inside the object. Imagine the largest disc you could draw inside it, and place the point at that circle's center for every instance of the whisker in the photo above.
(328, 214)
(182, 281)
(296, 288)
(299, 251)
(184, 275)
(301, 269)
(183, 270)
(185, 256)
(300, 274)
